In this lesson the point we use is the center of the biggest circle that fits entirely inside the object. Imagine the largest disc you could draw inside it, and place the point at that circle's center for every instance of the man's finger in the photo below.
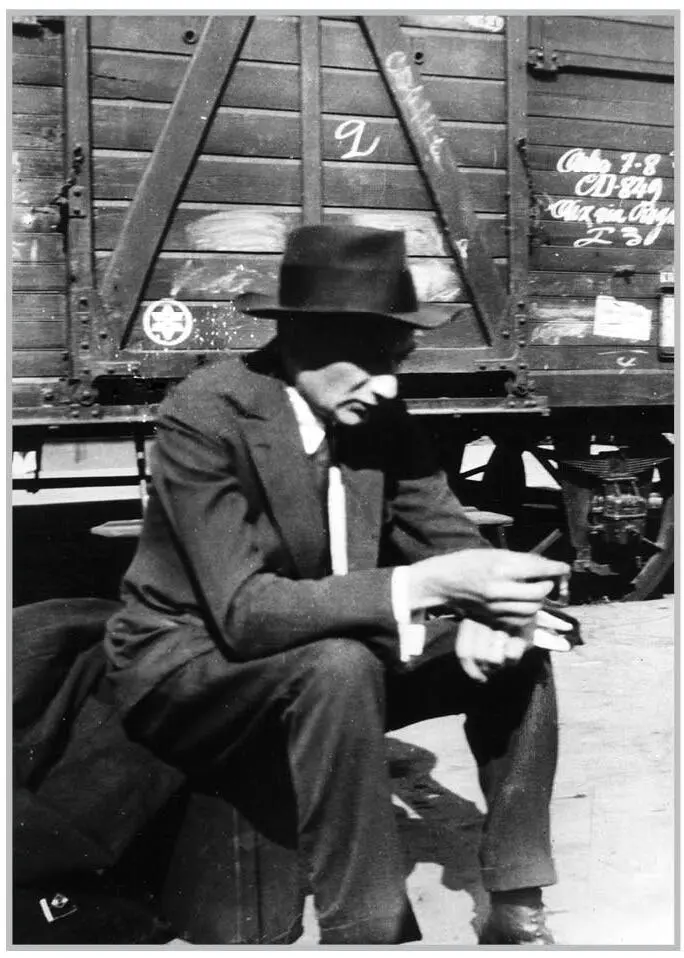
(529, 566)
(553, 622)
(518, 610)
(509, 589)
(472, 670)
(515, 648)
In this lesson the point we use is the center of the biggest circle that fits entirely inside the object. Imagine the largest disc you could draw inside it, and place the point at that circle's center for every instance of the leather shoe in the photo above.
(515, 924)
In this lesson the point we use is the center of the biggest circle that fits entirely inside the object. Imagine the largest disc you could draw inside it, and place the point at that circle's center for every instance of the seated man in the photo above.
(265, 612)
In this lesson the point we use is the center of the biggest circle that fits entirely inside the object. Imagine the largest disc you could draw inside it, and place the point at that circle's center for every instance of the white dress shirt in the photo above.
(410, 628)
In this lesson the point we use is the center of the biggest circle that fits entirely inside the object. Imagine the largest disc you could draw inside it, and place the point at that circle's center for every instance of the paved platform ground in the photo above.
(613, 806)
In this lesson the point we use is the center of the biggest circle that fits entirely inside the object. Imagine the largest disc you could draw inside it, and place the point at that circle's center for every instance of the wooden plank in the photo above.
(603, 260)
(217, 326)
(639, 286)
(26, 219)
(593, 35)
(38, 248)
(274, 134)
(39, 70)
(117, 75)
(47, 43)
(560, 184)
(44, 362)
(448, 187)
(568, 321)
(39, 335)
(36, 133)
(214, 277)
(39, 276)
(657, 21)
(474, 24)
(37, 164)
(398, 187)
(625, 359)
(37, 99)
(237, 180)
(606, 388)
(35, 192)
(162, 182)
(453, 98)
(603, 135)
(557, 233)
(479, 55)
(600, 86)
(218, 277)
(258, 229)
(615, 111)
(547, 158)
(38, 307)
(462, 332)
(273, 39)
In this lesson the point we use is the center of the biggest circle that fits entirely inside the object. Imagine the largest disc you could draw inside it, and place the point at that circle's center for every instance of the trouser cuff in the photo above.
(529, 875)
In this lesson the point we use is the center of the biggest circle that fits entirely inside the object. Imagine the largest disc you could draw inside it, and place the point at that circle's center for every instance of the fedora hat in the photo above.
(338, 270)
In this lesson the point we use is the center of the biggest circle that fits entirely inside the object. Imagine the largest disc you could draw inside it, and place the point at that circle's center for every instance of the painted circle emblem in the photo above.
(167, 322)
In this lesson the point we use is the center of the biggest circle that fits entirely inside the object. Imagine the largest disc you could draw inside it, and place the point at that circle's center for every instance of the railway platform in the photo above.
(613, 808)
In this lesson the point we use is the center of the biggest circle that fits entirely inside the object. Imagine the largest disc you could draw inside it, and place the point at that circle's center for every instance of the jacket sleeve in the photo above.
(200, 480)
(424, 517)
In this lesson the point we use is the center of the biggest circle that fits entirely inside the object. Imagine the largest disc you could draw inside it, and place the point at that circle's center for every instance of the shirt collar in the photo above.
(311, 429)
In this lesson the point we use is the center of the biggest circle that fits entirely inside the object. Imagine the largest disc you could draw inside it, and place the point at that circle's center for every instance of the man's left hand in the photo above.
(482, 650)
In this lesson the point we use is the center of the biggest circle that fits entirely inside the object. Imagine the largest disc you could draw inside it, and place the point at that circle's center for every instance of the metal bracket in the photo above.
(543, 60)
(69, 392)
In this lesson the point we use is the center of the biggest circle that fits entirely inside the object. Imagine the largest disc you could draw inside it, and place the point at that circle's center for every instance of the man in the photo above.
(264, 615)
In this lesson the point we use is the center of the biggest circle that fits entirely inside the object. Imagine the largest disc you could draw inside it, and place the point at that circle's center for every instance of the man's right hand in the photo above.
(501, 588)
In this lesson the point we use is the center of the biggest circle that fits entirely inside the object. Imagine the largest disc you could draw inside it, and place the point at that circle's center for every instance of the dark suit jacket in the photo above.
(234, 545)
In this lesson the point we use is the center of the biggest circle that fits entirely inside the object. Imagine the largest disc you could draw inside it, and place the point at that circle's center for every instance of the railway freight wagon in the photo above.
(160, 161)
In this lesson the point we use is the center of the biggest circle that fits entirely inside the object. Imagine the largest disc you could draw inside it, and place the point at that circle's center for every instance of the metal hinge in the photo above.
(542, 60)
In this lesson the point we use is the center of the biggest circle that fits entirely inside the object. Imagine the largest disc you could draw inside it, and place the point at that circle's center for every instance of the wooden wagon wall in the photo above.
(39, 277)
(245, 192)
(601, 161)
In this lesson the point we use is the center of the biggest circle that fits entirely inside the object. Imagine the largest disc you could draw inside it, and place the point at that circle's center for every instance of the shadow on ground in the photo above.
(436, 825)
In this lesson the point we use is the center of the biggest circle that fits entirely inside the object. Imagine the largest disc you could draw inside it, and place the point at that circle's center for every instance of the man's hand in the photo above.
(482, 651)
(503, 589)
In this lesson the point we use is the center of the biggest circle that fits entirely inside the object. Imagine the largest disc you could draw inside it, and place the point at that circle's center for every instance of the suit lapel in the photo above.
(288, 481)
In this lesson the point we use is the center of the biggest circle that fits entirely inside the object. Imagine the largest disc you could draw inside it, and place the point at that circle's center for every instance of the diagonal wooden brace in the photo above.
(166, 174)
(445, 182)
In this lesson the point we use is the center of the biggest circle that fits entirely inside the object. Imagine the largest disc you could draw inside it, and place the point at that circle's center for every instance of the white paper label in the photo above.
(667, 322)
(618, 319)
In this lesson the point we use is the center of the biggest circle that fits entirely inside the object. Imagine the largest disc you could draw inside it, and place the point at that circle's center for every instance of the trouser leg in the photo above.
(511, 726)
(324, 704)
(347, 824)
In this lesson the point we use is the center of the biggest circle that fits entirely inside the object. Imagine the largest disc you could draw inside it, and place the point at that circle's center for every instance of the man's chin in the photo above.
(353, 415)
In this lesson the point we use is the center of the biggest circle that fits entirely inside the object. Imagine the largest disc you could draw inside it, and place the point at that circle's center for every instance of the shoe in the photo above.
(514, 924)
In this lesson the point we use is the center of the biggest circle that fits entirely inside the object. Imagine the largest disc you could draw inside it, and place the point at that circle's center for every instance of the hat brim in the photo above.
(262, 306)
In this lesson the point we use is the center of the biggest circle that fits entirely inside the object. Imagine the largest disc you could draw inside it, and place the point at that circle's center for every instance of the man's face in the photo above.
(345, 368)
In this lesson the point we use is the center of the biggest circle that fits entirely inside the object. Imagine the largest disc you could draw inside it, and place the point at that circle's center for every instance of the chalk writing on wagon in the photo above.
(632, 180)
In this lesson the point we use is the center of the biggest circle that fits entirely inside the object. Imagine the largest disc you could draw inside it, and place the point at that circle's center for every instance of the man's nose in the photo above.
(385, 386)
